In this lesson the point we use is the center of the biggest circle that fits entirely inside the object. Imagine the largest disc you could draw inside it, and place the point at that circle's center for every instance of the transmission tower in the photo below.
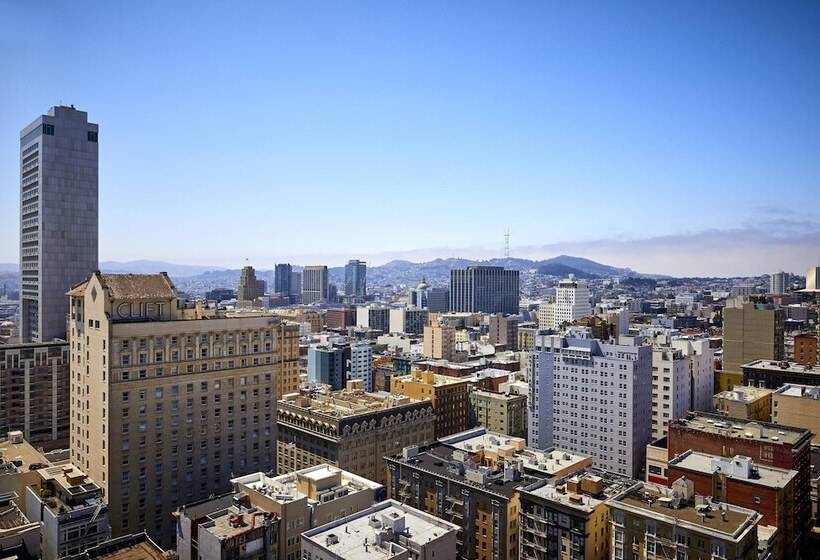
(507, 244)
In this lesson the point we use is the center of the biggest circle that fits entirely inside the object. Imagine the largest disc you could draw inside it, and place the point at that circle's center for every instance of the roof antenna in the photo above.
(507, 244)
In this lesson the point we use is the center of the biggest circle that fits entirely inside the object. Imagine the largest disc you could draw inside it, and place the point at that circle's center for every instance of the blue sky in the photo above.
(678, 138)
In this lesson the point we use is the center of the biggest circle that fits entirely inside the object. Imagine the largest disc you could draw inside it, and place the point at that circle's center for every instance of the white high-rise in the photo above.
(571, 301)
(671, 388)
(600, 396)
(779, 282)
(701, 369)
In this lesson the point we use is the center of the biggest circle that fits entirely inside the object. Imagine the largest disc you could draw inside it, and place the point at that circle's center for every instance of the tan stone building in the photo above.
(439, 342)
(450, 397)
(169, 402)
(351, 429)
(499, 412)
(751, 403)
(751, 331)
(798, 405)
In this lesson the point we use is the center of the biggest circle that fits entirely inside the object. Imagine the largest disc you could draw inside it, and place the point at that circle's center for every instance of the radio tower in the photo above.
(507, 244)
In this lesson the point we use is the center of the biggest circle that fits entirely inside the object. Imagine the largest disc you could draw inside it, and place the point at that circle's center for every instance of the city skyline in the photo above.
(685, 136)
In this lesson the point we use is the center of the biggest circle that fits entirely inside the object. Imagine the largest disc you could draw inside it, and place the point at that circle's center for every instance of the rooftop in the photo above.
(741, 428)
(737, 468)
(695, 512)
(344, 403)
(128, 547)
(583, 491)
(429, 378)
(781, 367)
(499, 396)
(10, 515)
(744, 394)
(17, 455)
(132, 286)
(234, 521)
(383, 531)
(800, 391)
(315, 484)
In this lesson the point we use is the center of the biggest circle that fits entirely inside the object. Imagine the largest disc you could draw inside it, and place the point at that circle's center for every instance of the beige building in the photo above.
(168, 402)
(19, 463)
(499, 412)
(439, 342)
(751, 331)
(751, 403)
(449, 395)
(798, 405)
(350, 429)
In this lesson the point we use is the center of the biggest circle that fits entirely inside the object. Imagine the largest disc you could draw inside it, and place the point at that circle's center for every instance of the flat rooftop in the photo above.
(646, 499)
(773, 366)
(426, 377)
(344, 403)
(285, 488)
(354, 537)
(799, 391)
(128, 547)
(744, 394)
(233, 521)
(742, 428)
(610, 486)
(21, 452)
(762, 475)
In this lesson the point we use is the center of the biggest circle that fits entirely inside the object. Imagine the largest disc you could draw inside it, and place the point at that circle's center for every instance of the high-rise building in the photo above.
(373, 317)
(751, 331)
(779, 282)
(261, 288)
(247, 291)
(438, 300)
(701, 358)
(169, 401)
(58, 217)
(600, 394)
(813, 279)
(281, 279)
(504, 331)
(351, 429)
(484, 289)
(356, 279)
(34, 392)
(314, 284)
(360, 365)
(326, 365)
(295, 286)
(540, 401)
(439, 342)
(408, 320)
(671, 388)
(571, 302)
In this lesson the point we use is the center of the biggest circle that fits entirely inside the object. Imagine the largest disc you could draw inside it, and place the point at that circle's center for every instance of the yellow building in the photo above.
(169, 401)
(439, 342)
(798, 405)
(751, 403)
(450, 397)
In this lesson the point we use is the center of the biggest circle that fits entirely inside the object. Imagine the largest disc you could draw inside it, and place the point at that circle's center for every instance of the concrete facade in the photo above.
(484, 289)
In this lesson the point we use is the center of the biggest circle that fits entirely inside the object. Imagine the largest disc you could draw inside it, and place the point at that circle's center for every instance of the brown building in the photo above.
(740, 482)
(450, 397)
(750, 403)
(168, 401)
(439, 342)
(504, 331)
(805, 349)
(767, 444)
(798, 405)
(652, 522)
(340, 319)
(34, 392)
(350, 429)
(751, 331)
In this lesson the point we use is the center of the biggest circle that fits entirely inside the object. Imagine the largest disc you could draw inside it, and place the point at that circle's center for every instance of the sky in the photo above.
(678, 138)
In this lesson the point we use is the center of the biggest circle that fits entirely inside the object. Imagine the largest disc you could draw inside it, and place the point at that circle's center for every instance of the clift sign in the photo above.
(140, 310)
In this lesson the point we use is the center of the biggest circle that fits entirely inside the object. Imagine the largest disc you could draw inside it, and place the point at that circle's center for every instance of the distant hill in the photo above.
(148, 267)
(562, 270)
(8, 268)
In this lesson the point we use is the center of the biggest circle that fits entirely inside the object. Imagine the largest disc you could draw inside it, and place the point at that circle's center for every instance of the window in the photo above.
(48, 129)
(92, 136)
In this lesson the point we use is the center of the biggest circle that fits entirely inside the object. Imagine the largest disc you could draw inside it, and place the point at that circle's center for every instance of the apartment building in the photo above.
(314, 284)
(749, 403)
(503, 331)
(595, 396)
(751, 331)
(568, 518)
(439, 342)
(650, 522)
(671, 388)
(798, 405)
(450, 397)
(168, 401)
(504, 413)
(71, 509)
(388, 530)
(572, 301)
(34, 392)
(350, 429)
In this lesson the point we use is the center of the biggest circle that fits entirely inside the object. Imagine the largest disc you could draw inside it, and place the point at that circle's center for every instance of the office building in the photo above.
(295, 287)
(546, 315)
(779, 283)
(247, 292)
(350, 429)
(526, 337)
(740, 481)
(597, 394)
(484, 289)
(751, 331)
(71, 508)
(168, 400)
(799, 406)
(772, 445)
(572, 301)
(408, 320)
(388, 530)
(261, 288)
(356, 279)
(472, 480)
(282, 274)
(749, 403)
(314, 284)
(450, 397)
(439, 342)
(34, 392)
(657, 523)
(813, 279)
(774, 374)
(326, 365)
(568, 518)
(360, 366)
(503, 331)
(373, 317)
(438, 300)
(503, 413)
(340, 319)
(59, 210)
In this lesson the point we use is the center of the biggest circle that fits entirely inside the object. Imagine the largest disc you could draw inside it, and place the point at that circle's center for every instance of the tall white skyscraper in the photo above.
(58, 217)
(571, 301)
(779, 282)
(600, 397)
